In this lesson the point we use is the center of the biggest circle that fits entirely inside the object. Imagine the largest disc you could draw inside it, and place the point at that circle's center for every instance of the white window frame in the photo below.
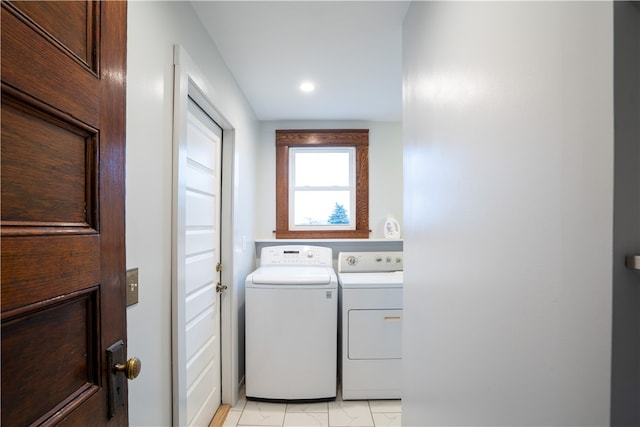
(351, 188)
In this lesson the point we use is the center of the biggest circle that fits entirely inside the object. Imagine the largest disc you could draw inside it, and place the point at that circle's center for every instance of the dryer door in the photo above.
(375, 334)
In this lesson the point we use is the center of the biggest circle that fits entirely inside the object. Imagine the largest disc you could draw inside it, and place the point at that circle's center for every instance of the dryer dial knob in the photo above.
(351, 260)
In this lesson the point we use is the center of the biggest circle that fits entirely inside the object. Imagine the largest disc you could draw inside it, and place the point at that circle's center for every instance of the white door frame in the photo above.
(189, 81)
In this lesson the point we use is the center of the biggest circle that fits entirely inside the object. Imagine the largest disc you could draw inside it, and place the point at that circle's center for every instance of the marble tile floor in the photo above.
(338, 413)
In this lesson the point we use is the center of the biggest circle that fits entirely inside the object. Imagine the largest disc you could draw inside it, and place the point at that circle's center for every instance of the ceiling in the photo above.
(351, 50)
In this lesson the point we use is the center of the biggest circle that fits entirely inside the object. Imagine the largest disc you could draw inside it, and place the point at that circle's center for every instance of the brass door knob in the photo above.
(131, 368)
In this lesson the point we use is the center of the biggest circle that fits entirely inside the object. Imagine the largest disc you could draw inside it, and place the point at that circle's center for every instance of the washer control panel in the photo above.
(364, 262)
(296, 255)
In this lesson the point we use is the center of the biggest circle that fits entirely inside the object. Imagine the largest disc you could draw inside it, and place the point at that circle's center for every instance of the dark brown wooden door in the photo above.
(62, 211)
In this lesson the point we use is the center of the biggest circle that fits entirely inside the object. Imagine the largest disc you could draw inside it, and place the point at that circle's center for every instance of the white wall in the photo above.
(508, 143)
(153, 29)
(385, 171)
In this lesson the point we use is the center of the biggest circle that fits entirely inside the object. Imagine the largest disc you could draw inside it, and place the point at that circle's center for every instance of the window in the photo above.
(322, 184)
(322, 188)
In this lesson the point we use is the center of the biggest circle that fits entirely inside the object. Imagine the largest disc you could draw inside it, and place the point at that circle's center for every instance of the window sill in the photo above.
(301, 241)
(322, 234)
(336, 245)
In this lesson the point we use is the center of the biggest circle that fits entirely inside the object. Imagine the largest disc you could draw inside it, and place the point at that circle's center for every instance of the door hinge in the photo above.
(219, 266)
(220, 287)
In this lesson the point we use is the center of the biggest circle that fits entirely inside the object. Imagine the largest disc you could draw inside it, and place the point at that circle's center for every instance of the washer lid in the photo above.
(292, 276)
(394, 279)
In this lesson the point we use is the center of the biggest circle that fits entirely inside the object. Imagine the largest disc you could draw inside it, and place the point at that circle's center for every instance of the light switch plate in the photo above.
(132, 286)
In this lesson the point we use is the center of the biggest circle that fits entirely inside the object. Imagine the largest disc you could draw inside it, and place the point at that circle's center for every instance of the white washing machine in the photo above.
(370, 324)
(291, 316)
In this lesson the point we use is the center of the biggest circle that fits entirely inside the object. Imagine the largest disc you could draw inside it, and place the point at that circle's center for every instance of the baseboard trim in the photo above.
(220, 416)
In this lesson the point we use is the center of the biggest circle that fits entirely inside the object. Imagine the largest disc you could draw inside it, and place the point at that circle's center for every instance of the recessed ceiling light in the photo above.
(307, 87)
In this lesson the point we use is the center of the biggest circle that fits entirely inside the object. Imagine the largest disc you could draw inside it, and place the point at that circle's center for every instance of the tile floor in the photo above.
(338, 413)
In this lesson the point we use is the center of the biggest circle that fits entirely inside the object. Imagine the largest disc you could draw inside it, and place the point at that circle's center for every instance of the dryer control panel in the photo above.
(369, 262)
(292, 255)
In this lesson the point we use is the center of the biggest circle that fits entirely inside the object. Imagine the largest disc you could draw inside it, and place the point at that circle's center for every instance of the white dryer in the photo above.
(370, 324)
(291, 315)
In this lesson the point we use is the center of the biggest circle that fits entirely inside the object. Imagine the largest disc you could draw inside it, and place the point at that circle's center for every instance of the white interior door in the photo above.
(197, 367)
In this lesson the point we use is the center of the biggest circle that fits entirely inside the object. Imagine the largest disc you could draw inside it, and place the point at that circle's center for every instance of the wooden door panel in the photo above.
(55, 349)
(37, 143)
(45, 72)
(72, 24)
(62, 210)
